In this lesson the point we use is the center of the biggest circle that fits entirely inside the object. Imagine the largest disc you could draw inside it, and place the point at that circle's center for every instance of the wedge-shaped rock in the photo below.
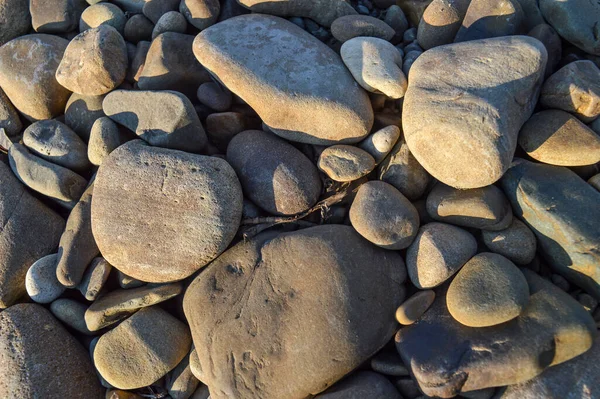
(298, 86)
(324, 12)
(289, 316)
(447, 358)
(563, 212)
(465, 104)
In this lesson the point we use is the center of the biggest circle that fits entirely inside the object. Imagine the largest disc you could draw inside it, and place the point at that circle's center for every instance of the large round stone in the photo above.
(159, 215)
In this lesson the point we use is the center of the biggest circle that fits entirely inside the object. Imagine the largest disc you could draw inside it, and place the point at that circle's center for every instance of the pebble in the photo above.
(396, 19)
(384, 216)
(490, 18)
(410, 59)
(214, 96)
(440, 23)
(560, 282)
(15, 19)
(351, 26)
(437, 253)
(414, 10)
(57, 143)
(389, 363)
(142, 349)
(41, 283)
(200, 13)
(71, 313)
(105, 137)
(155, 9)
(414, 307)
(181, 209)
(517, 242)
(131, 6)
(376, 65)
(322, 12)
(171, 21)
(274, 175)
(127, 282)
(55, 16)
(362, 385)
(594, 181)
(552, 41)
(345, 163)
(103, 14)
(222, 127)
(410, 35)
(81, 112)
(9, 117)
(94, 278)
(137, 62)
(380, 143)
(138, 28)
(181, 383)
(576, 21)
(485, 208)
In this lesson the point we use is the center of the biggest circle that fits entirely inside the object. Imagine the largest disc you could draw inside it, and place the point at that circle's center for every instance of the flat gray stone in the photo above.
(41, 283)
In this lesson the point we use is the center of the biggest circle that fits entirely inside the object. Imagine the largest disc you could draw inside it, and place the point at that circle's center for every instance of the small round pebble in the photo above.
(105, 137)
(71, 313)
(380, 143)
(41, 283)
(171, 21)
(389, 363)
(351, 26)
(138, 28)
(215, 96)
(488, 290)
(517, 242)
(414, 307)
(345, 162)
(103, 13)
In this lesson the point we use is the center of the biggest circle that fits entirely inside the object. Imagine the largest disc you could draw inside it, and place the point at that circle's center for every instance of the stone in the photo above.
(594, 181)
(71, 313)
(388, 362)
(403, 171)
(165, 207)
(447, 358)
(414, 307)
(274, 175)
(576, 378)
(574, 88)
(409, 59)
(440, 23)
(222, 127)
(172, 21)
(351, 26)
(362, 385)
(119, 393)
(154, 9)
(442, 86)
(396, 19)
(414, 9)
(128, 282)
(533, 14)
(313, 100)
(561, 209)
(131, 6)
(170, 65)
(376, 65)
(484, 208)
(105, 137)
(41, 283)
(181, 383)
(339, 316)
(138, 28)
(57, 143)
(40, 359)
(142, 349)
(575, 21)
(490, 18)
(551, 40)
(103, 14)
(9, 117)
(214, 96)
(558, 138)
(323, 12)
(120, 304)
(27, 68)
(200, 13)
(161, 118)
(94, 63)
(437, 253)
(230, 9)
(384, 216)
(15, 19)
(345, 162)
(81, 112)
(380, 143)
(517, 242)
(94, 278)
(46, 178)
(56, 16)
(488, 290)
(138, 61)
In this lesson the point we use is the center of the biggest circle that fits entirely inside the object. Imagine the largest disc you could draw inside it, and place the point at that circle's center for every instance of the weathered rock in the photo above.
(103, 14)
(170, 65)
(437, 253)
(131, 6)
(562, 210)
(170, 22)
(414, 307)
(388, 362)
(105, 137)
(41, 283)
(490, 18)
(56, 142)
(27, 68)
(441, 21)
(128, 282)
(120, 304)
(351, 26)
(49, 179)
(551, 40)
(594, 181)
(142, 349)
(516, 242)
(9, 118)
(384, 216)
(395, 18)
(482, 208)
(274, 175)
(40, 359)
(138, 61)
(558, 138)
(162, 118)
(214, 96)
(465, 133)
(447, 358)
(94, 278)
(71, 313)
(138, 28)
(376, 65)
(181, 382)
(403, 171)
(165, 207)
(380, 143)
(314, 99)
(94, 63)
(222, 127)
(362, 385)
(414, 9)
(324, 12)
(200, 13)
(339, 316)
(81, 112)
(574, 88)
(154, 9)
(56, 16)
(345, 162)
(15, 19)
(576, 21)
